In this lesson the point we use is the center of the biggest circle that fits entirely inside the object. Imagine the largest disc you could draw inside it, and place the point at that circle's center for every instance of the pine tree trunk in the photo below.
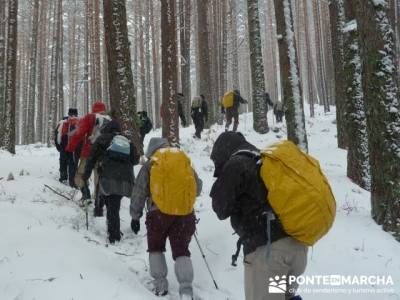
(234, 48)
(292, 98)
(214, 59)
(170, 128)
(42, 67)
(60, 75)
(356, 125)
(52, 117)
(337, 21)
(122, 90)
(86, 101)
(10, 100)
(310, 72)
(96, 51)
(92, 63)
(149, 102)
(135, 50)
(185, 15)
(155, 29)
(204, 57)
(72, 55)
(105, 85)
(224, 50)
(142, 71)
(381, 96)
(2, 64)
(260, 107)
(32, 74)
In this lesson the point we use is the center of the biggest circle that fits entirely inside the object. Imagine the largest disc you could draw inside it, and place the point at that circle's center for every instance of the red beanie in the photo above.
(98, 107)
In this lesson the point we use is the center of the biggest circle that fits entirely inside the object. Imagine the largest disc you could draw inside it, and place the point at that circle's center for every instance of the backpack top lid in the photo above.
(120, 145)
(172, 182)
(228, 99)
(298, 192)
(196, 102)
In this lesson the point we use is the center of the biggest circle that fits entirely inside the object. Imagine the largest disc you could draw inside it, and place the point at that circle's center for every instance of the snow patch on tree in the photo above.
(294, 78)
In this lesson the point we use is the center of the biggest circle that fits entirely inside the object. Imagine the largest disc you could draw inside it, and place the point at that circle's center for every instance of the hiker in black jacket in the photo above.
(240, 194)
(145, 125)
(199, 114)
(116, 176)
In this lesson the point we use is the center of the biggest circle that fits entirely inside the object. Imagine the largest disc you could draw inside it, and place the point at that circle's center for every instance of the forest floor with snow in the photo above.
(47, 253)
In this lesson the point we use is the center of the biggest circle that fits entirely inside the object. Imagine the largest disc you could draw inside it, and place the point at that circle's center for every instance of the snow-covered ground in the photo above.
(47, 253)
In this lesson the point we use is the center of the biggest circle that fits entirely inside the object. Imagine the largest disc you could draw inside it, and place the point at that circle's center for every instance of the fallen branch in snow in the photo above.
(124, 254)
(43, 280)
(56, 192)
(91, 240)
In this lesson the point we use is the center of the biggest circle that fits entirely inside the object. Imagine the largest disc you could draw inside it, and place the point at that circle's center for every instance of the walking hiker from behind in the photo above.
(199, 114)
(302, 199)
(87, 132)
(231, 102)
(145, 125)
(279, 111)
(181, 99)
(116, 157)
(64, 130)
(240, 194)
(169, 198)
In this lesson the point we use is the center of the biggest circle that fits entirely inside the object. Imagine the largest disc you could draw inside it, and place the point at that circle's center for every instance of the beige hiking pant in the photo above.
(287, 257)
(79, 173)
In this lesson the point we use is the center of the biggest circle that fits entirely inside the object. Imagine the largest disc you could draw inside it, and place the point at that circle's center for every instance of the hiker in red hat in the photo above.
(88, 130)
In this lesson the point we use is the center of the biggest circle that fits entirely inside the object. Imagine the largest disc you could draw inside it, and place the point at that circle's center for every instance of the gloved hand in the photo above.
(135, 225)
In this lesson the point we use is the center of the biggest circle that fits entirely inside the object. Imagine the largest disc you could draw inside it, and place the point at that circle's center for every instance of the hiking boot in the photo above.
(160, 293)
(73, 185)
(83, 202)
(85, 193)
(296, 298)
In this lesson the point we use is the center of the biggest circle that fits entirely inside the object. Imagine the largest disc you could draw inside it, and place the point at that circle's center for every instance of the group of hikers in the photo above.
(167, 185)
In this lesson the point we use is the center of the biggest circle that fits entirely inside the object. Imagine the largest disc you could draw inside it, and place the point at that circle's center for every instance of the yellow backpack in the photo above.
(172, 182)
(298, 192)
(228, 99)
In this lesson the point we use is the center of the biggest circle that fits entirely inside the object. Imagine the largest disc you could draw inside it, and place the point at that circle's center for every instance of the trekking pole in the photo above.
(205, 260)
(87, 214)
(56, 192)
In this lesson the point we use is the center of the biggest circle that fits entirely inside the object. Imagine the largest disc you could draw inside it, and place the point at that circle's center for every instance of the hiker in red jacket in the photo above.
(87, 132)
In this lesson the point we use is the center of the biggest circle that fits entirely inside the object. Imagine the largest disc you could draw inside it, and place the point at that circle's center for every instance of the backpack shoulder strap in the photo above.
(256, 155)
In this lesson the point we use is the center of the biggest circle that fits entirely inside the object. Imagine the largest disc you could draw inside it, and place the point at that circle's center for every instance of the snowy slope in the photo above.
(46, 252)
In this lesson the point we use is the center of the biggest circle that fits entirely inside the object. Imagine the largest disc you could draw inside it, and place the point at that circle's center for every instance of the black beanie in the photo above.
(73, 112)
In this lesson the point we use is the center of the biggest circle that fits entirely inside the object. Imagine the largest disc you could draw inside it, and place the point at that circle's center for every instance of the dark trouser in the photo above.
(232, 113)
(279, 116)
(179, 230)
(199, 126)
(67, 167)
(142, 135)
(113, 204)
